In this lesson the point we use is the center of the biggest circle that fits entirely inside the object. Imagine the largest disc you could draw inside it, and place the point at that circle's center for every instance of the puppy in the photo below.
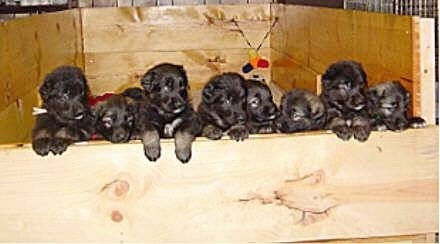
(301, 111)
(388, 107)
(167, 112)
(115, 117)
(223, 107)
(68, 119)
(344, 96)
(260, 108)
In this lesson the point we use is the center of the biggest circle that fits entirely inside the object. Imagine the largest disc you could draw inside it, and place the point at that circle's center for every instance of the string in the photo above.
(247, 40)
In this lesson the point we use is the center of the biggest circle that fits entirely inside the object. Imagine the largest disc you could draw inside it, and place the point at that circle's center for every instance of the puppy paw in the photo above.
(238, 132)
(59, 145)
(343, 132)
(41, 146)
(266, 130)
(212, 132)
(417, 122)
(152, 152)
(361, 133)
(183, 154)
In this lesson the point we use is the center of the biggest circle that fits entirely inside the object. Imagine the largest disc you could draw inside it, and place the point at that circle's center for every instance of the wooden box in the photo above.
(229, 191)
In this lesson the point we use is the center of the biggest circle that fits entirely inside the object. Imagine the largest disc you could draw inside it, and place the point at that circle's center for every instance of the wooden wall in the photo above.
(270, 188)
(30, 48)
(121, 44)
(311, 38)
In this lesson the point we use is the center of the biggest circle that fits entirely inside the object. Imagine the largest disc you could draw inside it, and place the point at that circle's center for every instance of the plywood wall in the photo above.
(270, 188)
(121, 44)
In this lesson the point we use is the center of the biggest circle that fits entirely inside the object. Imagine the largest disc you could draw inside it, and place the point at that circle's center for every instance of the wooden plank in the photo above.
(17, 119)
(288, 74)
(419, 238)
(427, 70)
(32, 47)
(117, 71)
(325, 189)
(173, 28)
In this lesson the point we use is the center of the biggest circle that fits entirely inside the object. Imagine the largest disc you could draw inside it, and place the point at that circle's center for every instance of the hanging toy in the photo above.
(255, 60)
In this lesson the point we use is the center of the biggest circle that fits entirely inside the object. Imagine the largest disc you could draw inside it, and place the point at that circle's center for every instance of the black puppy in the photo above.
(115, 116)
(388, 107)
(301, 111)
(68, 119)
(344, 86)
(167, 112)
(223, 107)
(260, 108)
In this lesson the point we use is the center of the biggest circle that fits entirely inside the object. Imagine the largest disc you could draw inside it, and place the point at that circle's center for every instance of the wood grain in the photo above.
(312, 187)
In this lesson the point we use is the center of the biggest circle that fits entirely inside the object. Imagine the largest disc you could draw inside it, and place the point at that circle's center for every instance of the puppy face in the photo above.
(224, 100)
(300, 110)
(167, 86)
(115, 118)
(344, 84)
(388, 100)
(259, 102)
(64, 93)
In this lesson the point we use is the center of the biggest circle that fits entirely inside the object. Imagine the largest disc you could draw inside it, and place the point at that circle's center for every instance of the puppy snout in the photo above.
(358, 102)
(119, 136)
(272, 112)
(79, 114)
(241, 118)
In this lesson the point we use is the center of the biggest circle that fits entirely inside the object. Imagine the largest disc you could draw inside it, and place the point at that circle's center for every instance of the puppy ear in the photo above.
(45, 89)
(209, 93)
(147, 80)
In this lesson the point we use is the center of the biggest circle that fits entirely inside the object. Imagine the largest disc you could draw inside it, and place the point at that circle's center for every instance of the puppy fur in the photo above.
(344, 86)
(260, 108)
(64, 94)
(301, 111)
(167, 112)
(223, 107)
(115, 117)
(388, 107)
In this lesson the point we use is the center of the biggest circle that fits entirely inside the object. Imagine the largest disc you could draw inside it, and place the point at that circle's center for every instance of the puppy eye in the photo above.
(254, 102)
(166, 88)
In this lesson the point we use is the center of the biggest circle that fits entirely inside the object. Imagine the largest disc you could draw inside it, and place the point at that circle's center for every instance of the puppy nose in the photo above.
(79, 114)
(119, 137)
(241, 118)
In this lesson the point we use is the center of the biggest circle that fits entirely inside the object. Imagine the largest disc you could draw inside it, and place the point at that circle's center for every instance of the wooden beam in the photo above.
(310, 186)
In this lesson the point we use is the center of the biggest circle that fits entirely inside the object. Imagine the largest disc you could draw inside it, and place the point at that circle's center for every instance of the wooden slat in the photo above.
(117, 71)
(426, 55)
(173, 28)
(329, 189)
(32, 47)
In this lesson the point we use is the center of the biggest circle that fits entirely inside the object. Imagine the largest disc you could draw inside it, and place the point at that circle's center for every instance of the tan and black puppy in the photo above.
(344, 86)
(301, 111)
(388, 107)
(115, 116)
(167, 112)
(223, 107)
(67, 119)
(260, 108)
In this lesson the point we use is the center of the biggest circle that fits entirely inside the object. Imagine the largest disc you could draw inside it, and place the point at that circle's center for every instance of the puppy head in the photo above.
(224, 97)
(387, 100)
(259, 102)
(64, 93)
(114, 118)
(344, 84)
(300, 110)
(167, 86)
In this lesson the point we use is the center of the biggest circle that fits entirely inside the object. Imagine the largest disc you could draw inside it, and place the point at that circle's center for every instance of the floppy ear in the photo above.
(147, 80)
(46, 88)
(182, 73)
(209, 93)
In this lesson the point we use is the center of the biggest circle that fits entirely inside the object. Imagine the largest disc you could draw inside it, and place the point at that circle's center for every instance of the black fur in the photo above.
(260, 108)
(115, 117)
(223, 107)
(64, 93)
(167, 112)
(388, 107)
(344, 86)
(301, 111)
